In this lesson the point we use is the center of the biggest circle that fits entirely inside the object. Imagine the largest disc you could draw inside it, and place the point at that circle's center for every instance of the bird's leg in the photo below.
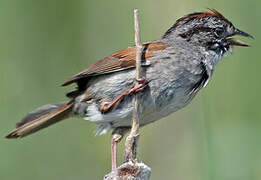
(135, 87)
(114, 140)
(116, 137)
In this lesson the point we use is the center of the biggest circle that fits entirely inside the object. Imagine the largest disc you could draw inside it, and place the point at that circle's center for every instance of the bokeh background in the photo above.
(44, 42)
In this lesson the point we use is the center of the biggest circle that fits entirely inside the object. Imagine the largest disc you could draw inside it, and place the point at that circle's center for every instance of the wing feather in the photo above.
(118, 61)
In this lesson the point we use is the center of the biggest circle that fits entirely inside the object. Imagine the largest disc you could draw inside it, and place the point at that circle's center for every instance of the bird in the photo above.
(174, 68)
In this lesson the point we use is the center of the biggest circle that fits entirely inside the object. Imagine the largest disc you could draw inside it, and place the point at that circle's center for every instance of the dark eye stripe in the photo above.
(196, 30)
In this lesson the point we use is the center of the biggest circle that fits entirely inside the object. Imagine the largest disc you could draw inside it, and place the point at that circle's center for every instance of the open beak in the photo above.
(235, 42)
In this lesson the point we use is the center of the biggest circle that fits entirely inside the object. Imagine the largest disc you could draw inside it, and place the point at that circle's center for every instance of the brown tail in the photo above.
(41, 118)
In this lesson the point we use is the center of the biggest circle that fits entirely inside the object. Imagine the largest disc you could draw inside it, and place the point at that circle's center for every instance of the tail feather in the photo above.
(41, 118)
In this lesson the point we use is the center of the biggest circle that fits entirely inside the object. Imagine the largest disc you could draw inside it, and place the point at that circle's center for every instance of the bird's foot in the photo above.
(135, 87)
(138, 85)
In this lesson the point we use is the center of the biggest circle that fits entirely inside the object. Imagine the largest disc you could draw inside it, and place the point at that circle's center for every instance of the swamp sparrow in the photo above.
(175, 67)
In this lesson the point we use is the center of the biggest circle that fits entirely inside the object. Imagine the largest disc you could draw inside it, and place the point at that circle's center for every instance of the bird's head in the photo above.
(207, 29)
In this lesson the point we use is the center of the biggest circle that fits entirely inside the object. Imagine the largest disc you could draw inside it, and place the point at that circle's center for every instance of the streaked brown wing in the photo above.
(118, 61)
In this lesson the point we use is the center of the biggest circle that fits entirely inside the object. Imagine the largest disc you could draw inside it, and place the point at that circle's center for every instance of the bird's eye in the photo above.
(219, 31)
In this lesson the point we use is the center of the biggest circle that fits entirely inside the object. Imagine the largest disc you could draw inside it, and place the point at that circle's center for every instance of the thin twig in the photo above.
(137, 43)
(135, 121)
(131, 169)
(132, 139)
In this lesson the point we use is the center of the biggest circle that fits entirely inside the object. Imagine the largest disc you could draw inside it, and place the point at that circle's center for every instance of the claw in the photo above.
(139, 85)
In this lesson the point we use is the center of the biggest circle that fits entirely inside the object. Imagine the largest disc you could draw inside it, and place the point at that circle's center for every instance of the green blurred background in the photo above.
(44, 42)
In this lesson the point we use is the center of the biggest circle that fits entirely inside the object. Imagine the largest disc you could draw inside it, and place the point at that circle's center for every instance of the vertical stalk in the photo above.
(132, 139)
